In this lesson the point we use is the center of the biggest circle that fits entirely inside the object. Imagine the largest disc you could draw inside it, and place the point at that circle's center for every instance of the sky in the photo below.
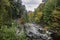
(31, 4)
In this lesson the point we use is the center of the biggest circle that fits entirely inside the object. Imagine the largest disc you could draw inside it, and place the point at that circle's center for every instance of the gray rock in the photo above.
(35, 31)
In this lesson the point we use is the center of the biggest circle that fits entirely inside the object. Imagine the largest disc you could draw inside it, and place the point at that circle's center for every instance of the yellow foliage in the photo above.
(46, 28)
(38, 16)
(30, 14)
(21, 20)
(55, 24)
(56, 13)
(35, 16)
(5, 2)
(36, 19)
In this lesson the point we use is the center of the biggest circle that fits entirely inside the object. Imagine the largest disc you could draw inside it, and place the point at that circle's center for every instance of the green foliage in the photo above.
(10, 10)
(23, 36)
(49, 6)
(25, 16)
(5, 16)
(51, 14)
(30, 15)
(7, 33)
(38, 13)
(10, 33)
(17, 9)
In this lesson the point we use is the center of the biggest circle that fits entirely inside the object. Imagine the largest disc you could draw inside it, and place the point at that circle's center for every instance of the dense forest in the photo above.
(10, 10)
(13, 16)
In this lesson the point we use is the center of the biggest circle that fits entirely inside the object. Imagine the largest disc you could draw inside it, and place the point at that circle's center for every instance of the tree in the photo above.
(47, 10)
(51, 14)
(5, 15)
(10, 10)
(38, 13)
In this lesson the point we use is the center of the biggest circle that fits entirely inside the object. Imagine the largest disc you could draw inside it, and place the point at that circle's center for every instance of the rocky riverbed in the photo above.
(34, 31)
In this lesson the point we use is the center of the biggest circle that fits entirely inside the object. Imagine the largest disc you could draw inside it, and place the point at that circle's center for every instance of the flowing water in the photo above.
(34, 31)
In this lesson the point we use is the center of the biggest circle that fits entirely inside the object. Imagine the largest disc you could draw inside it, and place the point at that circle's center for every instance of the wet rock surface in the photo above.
(36, 32)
